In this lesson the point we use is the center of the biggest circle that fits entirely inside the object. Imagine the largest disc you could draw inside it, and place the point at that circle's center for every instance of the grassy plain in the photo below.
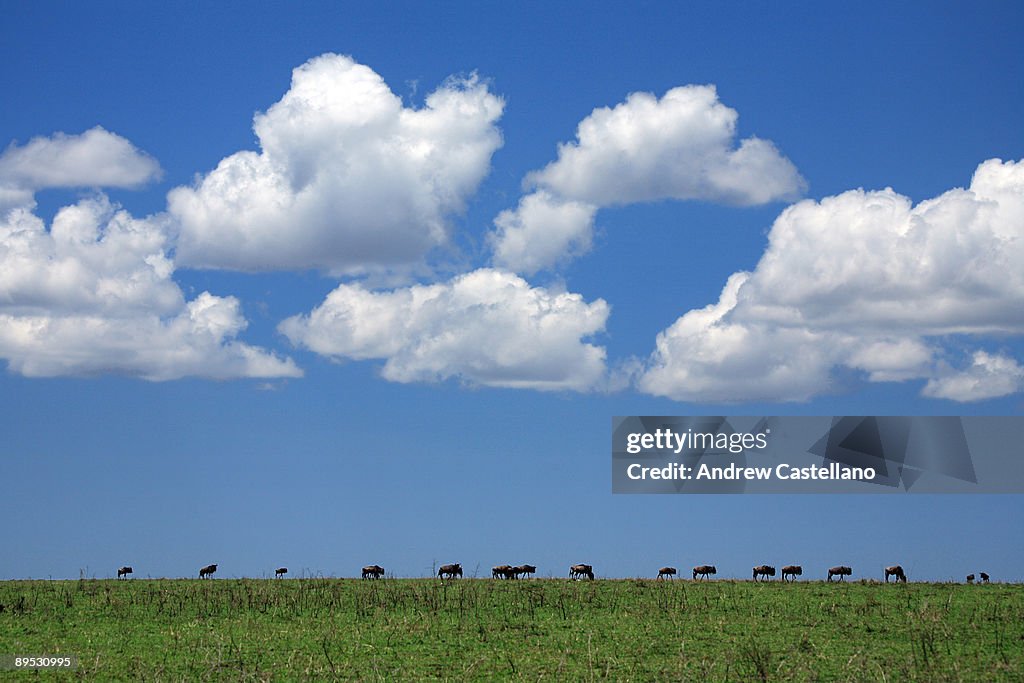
(543, 629)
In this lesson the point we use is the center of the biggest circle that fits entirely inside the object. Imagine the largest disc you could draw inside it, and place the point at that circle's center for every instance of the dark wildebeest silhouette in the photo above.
(841, 572)
(124, 571)
(793, 570)
(764, 570)
(897, 571)
(450, 570)
(503, 571)
(524, 569)
(666, 571)
(970, 578)
(280, 571)
(705, 570)
(207, 571)
(984, 577)
(373, 571)
(578, 571)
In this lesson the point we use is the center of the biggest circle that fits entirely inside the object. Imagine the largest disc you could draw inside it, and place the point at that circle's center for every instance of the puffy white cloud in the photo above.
(872, 260)
(347, 179)
(96, 158)
(863, 280)
(989, 376)
(541, 231)
(705, 357)
(198, 341)
(486, 327)
(15, 198)
(94, 295)
(892, 360)
(94, 258)
(682, 146)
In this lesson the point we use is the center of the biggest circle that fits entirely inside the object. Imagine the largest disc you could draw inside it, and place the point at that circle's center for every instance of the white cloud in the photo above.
(198, 341)
(96, 158)
(94, 258)
(486, 327)
(15, 198)
(541, 231)
(705, 357)
(682, 146)
(870, 259)
(867, 281)
(347, 178)
(893, 360)
(989, 376)
(94, 295)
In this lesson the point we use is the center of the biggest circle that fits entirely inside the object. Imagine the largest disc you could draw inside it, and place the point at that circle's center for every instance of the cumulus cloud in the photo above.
(347, 179)
(541, 231)
(988, 376)
(863, 280)
(682, 146)
(96, 158)
(893, 360)
(705, 357)
(94, 257)
(94, 295)
(487, 327)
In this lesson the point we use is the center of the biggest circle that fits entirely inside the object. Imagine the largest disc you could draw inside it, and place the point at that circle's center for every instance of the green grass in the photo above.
(416, 629)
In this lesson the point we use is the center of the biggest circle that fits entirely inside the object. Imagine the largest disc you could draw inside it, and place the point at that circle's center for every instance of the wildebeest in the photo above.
(578, 571)
(503, 571)
(524, 569)
(666, 571)
(970, 578)
(449, 570)
(704, 570)
(764, 570)
(984, 577)
(207, 571)
(897, 571)
(280, 571)
(793, 570)
(124, 571)
(373, 571)
(841, 572)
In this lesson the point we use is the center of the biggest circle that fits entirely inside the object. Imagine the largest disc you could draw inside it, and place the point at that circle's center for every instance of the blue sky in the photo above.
(391, 320)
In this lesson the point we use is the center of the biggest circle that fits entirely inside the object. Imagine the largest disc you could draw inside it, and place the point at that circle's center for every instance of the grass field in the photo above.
(550, 629)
